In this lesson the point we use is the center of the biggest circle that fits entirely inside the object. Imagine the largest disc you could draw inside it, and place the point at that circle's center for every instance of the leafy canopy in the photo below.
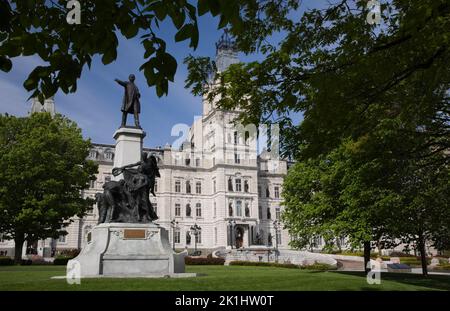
(43, 170)
(39, 27)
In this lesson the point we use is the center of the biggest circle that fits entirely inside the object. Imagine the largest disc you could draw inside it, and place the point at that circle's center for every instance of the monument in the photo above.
(126, 241)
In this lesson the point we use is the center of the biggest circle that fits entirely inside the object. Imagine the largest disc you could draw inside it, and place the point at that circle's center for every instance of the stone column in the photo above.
(129, 144)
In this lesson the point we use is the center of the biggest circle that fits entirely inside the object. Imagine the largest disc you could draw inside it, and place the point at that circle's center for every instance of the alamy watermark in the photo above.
(74, 15)
(374, 15)
(73, 272)
(374, 275)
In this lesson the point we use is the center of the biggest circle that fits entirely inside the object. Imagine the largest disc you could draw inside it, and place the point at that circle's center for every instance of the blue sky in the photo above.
(96, 104)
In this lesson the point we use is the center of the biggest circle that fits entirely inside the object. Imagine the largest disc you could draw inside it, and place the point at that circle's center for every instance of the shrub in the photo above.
(203, 261)
(69, 252)
(6, 261)
(26, 262)
(443, 266)
(413, 261)
(263, 264)
(319, 266)
(401, 254)
(61, 260)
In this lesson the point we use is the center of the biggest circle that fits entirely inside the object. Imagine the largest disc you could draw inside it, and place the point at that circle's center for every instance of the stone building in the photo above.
(215, 180)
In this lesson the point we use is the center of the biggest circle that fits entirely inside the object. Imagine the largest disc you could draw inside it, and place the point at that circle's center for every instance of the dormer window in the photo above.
(93, 154)
(109, 155)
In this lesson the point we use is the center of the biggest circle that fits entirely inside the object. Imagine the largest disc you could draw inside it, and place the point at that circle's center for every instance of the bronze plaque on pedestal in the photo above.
(134, 233)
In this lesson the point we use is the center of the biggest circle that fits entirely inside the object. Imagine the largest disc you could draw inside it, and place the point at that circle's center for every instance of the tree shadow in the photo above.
(439, 282)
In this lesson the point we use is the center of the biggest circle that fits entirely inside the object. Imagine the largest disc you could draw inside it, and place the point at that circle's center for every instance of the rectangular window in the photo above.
(198, 210)
(197, 162)
(62, 239)
(215, 210)
(259, 191)
(198, 187)
(198, 237)
(277, 213)
(215, 235)
(214, 186)
(260, 216)
(92, 184)
(177, 186)
(107, 178)
(277, 192)
(236, 139)
(177, 210)
(278, 236)
(177, 236)
(237, 159)
(269, 215)
(238, 184)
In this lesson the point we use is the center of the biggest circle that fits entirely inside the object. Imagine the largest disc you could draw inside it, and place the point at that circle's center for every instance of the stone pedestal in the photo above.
(131, 250)
(129, 143)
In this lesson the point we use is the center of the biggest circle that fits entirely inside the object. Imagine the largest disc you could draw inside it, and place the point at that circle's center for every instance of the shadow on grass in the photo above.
(441, 282)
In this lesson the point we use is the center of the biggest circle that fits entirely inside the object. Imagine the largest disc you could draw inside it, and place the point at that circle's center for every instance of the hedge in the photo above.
(263, 264)
(315, 266)
(413, 261)
(203, 261)
(61, 260)
(443, 266)
(319, 266)
(6, 261)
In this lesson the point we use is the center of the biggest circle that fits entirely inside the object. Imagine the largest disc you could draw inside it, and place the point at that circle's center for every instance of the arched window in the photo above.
(93, 154)
(230, 209)
(238, 184)
(188, 210)
(188, 186)
(188, 238)
(238, 208)
(109, 155)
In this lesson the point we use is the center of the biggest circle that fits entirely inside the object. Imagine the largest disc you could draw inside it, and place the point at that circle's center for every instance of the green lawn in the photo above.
(221, 278)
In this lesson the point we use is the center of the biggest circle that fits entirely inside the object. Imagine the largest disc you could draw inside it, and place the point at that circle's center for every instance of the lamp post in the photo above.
(276, 226)
(195, 230)
(174, 225)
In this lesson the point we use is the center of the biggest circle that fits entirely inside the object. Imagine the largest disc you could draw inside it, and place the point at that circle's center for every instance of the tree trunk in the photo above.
(423, 255)
(367, 256)
(18, 245)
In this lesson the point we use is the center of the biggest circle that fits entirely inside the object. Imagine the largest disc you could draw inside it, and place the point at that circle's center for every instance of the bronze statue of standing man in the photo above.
(130, 102)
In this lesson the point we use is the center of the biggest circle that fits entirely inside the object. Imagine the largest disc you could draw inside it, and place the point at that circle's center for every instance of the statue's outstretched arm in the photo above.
(131, 165)
(121, 82)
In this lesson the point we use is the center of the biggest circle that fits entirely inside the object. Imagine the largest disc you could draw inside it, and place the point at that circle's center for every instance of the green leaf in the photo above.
(184, 33)
(5, 64)
(202, 7)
